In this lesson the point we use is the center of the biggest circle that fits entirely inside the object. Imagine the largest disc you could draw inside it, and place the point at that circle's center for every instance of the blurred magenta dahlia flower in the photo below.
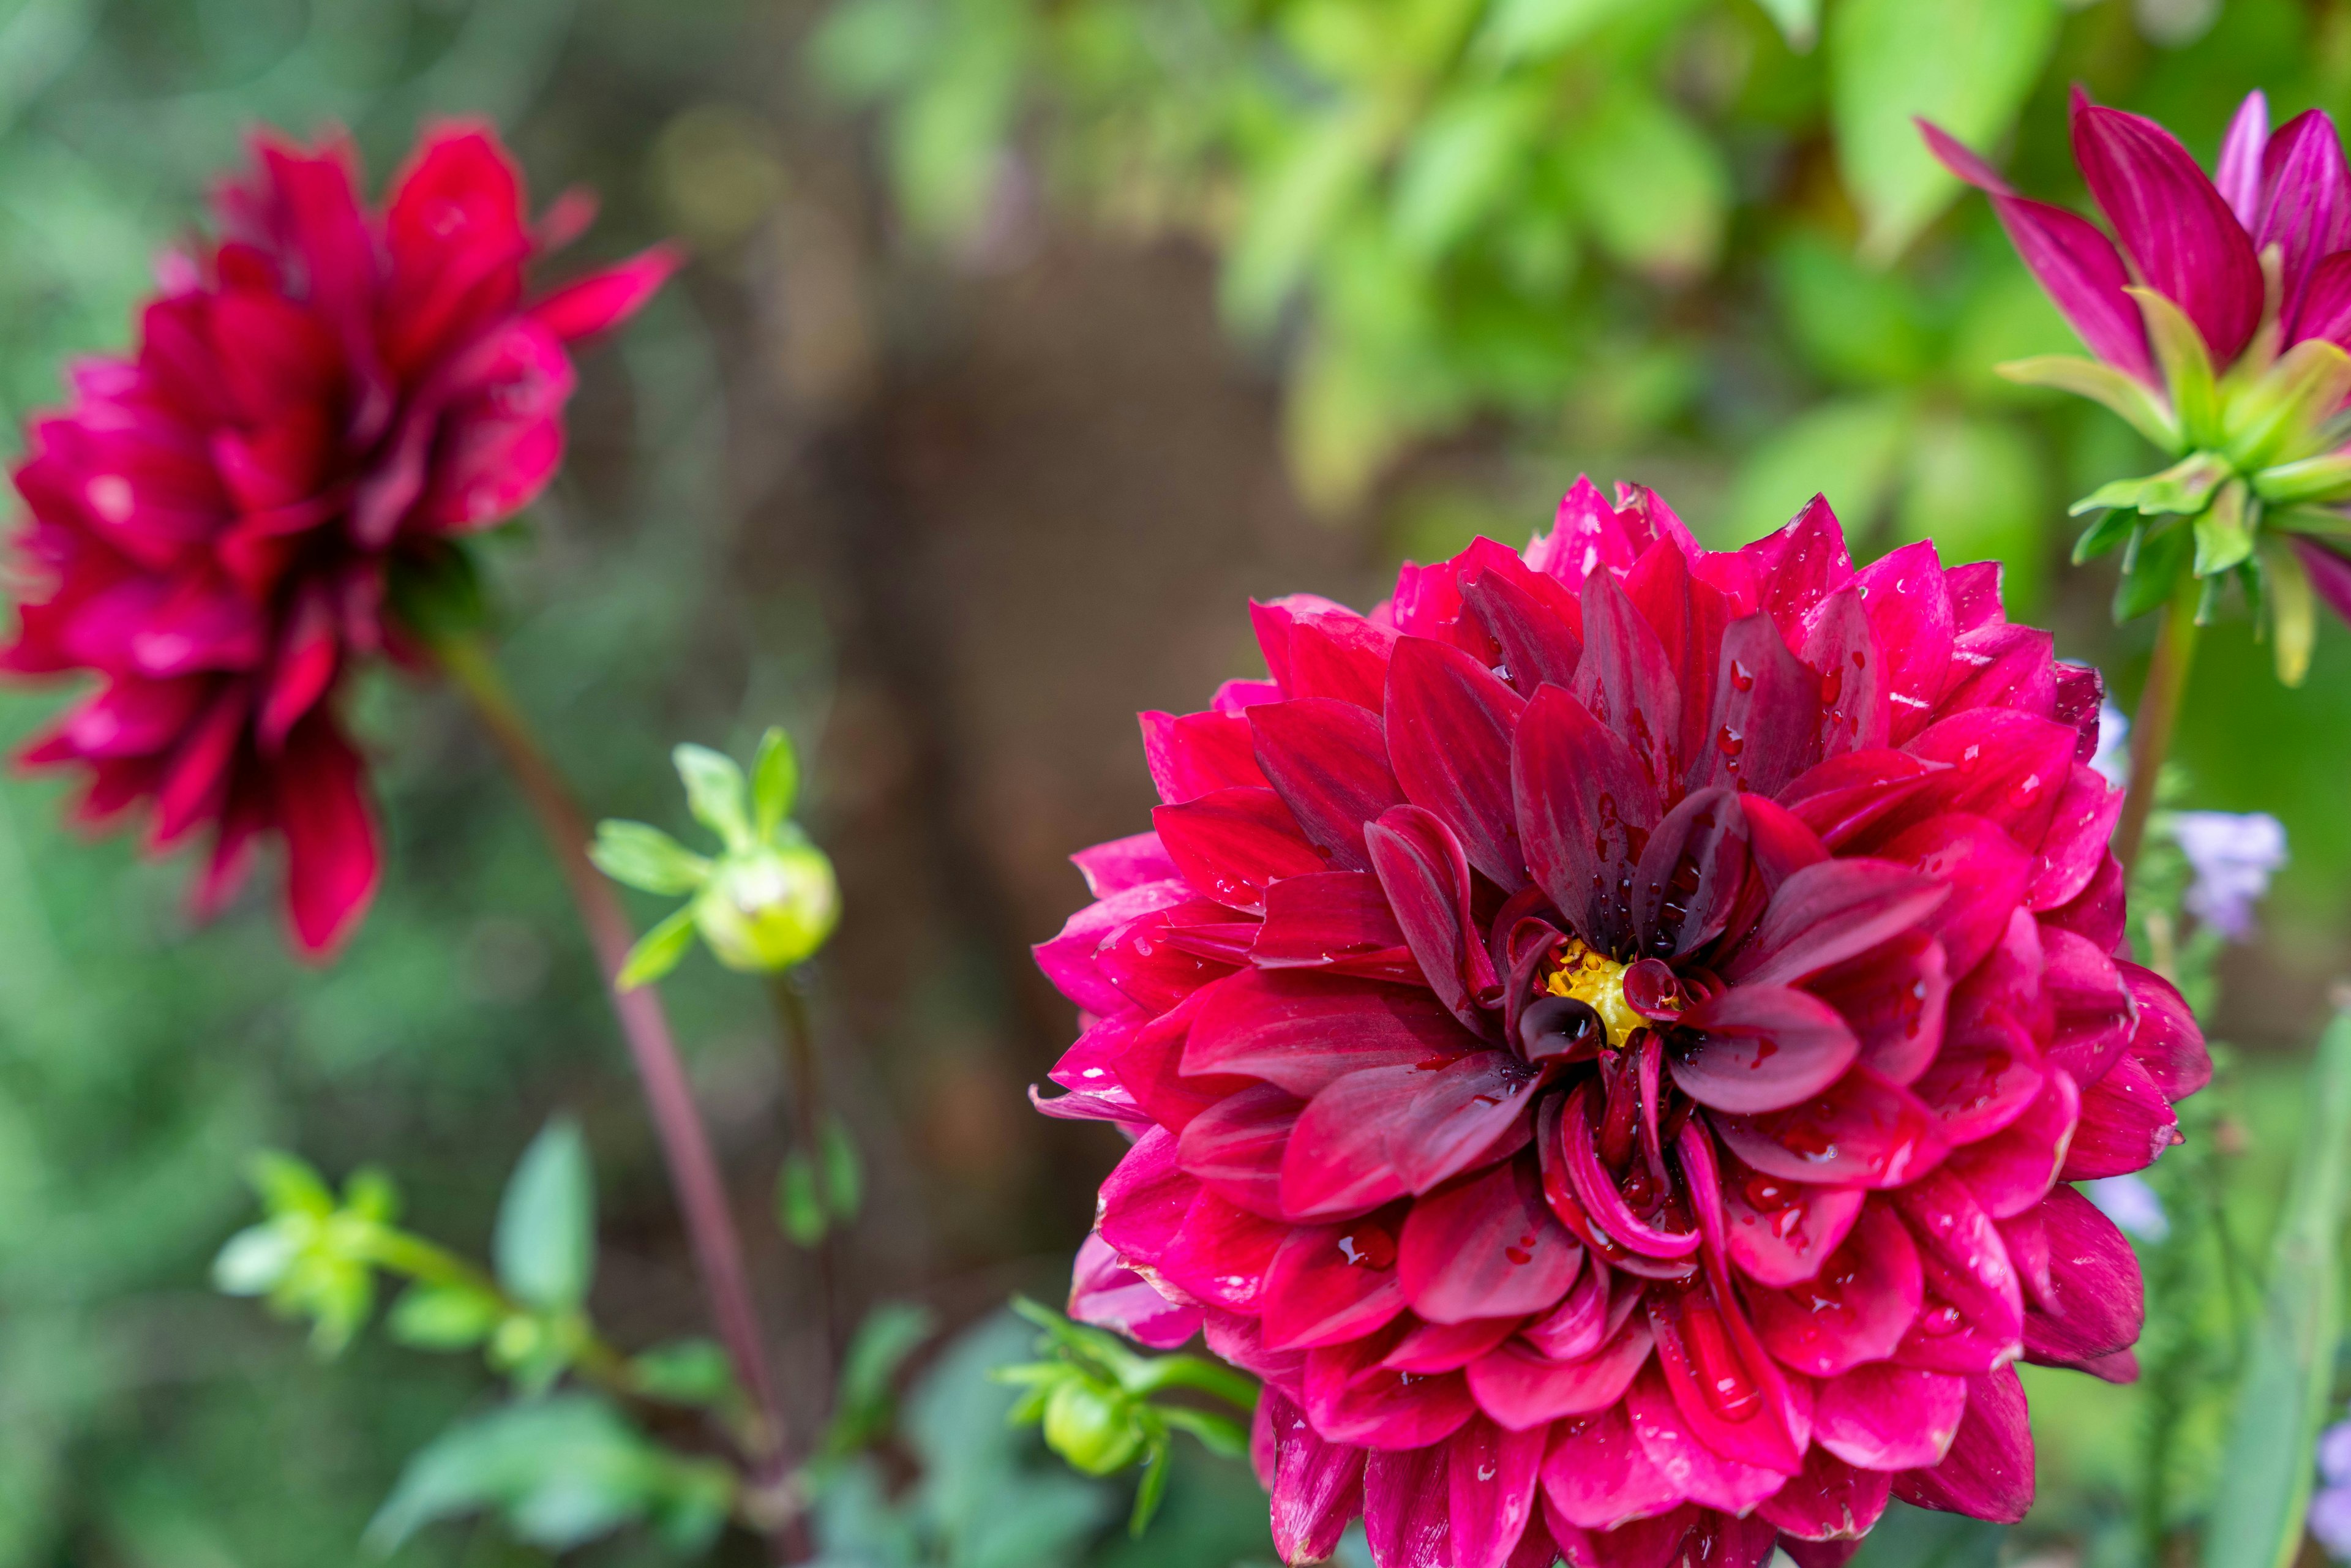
(320, 397)
(2221, 328)
(1606, 1036)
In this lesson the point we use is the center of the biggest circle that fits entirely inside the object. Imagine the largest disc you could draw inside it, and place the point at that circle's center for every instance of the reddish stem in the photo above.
(2152, 724)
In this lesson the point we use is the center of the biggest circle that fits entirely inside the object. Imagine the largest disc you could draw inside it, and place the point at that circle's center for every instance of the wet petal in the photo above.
(2096, 1303)
(1449, 723)
(1691, 873)
(1337, 1162)
(1405, 1520)
(1988, 1473)
(1895, 1001)
(2009, 1172)
(1305, 1032)
(1863, 1132)
(1828, 1500)
(1695, 1470)
(1491, 1477)
(1765, 728)
(1626, 683)
(1887, 1418)
(1485, 1247)
(1191, 755)
(1523, 1389)
(1330, 1283)
(1230, 844)
(1585, 808)
(1105, 1292)
(1830, 912)
(1328, 761)
(1317, 1487)
(1420, 865)
(2125, 1124)
(1759, 1048)
(1856, 1309)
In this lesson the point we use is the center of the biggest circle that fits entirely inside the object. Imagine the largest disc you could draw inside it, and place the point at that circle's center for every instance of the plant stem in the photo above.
(2151, 725)
(428, 1262)
(685, 1145)
(807, 1114)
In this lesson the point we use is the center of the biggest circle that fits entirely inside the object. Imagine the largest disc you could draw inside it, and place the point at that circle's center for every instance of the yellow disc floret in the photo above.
(1598, 983)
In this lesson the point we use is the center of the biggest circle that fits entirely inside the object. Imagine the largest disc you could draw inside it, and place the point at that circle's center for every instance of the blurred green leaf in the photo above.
(2267, 1469)
(1854, 324)
(646, 859)
(253, 1261)
(716, 792)
(686, 1372)
(544, 1244)
(657, 952)
(844, 1172)
(1967, 65)
(890, 1334)
(1908, 1537)
(1517, 30)
(1293, 207)
(1458, 166)
(799, 1206)
(563, 1471)
(1342, 423)
(1846, 450)
(1653, 187)
(290, 1185)
(444, 1317)
(1975, 488)
(1799, 21)
(775, 783)
(866, 48)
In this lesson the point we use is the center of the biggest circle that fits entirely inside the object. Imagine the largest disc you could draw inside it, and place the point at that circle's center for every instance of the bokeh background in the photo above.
(1022, 342)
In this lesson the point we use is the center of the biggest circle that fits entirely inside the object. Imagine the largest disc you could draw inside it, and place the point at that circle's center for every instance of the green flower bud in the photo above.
(769, 907)
(1093, 1427)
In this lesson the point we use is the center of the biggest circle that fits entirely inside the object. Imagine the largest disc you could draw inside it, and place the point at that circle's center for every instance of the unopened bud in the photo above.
(1092, 1427)
(768, 907)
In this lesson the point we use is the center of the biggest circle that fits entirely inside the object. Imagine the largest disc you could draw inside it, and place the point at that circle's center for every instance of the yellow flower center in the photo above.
(1598, 983)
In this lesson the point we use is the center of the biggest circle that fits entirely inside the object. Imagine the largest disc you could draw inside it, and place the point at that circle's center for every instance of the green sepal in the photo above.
(716, 792)
(2127, 396)
(775, 783)
(2293, 608)
(2104, 535)
(1220, 1435)
(1153, 1486)
(2282, 416)
(2158, 553)
(2187, 367)
(2224, 531)
(2322, 521)
(289, 1184)
(2209, 593)
(657, 951)
(2324, 478)
(2183, 487)
(645, 858)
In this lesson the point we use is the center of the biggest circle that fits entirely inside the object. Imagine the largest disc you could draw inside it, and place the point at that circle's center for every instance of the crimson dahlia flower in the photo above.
(2220, 328)
(320, 397)
(1607, 1037)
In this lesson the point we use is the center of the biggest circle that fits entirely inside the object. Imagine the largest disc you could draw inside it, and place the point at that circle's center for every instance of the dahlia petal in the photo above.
(197, 779)
(1523, 1389)
(1536, 630)
(2008, 767)
(1305, 1032)
(1689, 617)
(602, 301)
(1597, 1476)
(1967, 1270)
(2238, 173)
(1733, 1400)
(1985, 1077)
(201, 623)
(1625, 680)
(2307, 210)
(1150, 969)
(1780, 844)
(1536, 1548)
(1450, 723)
(1404, 1508)
(1334, 921)
(1151, 1068)
(2081, 697)
(1105, 1292)
(1338, 1162)
(1909, 609)
(2125, 1122)
(2172, 223)
(1988, 1473)
(1328, 761)
(1844, 797)
(1863, 1132)
(1122, 863)
(1448, 1347)
(2096, 1302)
(1828, 1500)
(1068, 958)
(1886, 1417)
(1894, 1000)
(1695, 1470)
(1330, 1283)
(1648, 522)
(2097, 913)
(500, 438)
(131, 717)
(1979, 869)
(1352, 1398)
(332, 857)
(1585, 535)
(1451, 1116)
(2167, 1041)
(1690, 873)
(1490, 1478)
(1239, 1341)
(2330, 573)
(1828, 912)
(1799, 566)
(1317, 649)
(2093, 1013)
(1597, 1193)
(1759, 1048)
(2009, 668)
(1648, 1542)
(1239, 696)
(1584, 806)
(1856, 1309)
(1191, 755)
(1420, 865)
(1581, 1322)
(1766, 725)
(2011, 1171)
(1143, 1200)
(1317, 1487)
(1230, 844)
(1820, 1553)
(1429, 603)
(2326, 302)
(2075, 844)
(1485, 1247)
(1780, 1232)
(1234, 1146)
(1841, 648)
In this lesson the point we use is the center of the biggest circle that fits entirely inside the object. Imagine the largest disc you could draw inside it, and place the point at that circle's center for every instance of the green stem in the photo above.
(2152, 724)
(686, 1144)
(430, 1263)
(800, 1066)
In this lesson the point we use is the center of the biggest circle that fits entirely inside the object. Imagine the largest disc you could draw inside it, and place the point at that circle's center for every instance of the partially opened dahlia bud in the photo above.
(322, 397)
(1608, 1036)
(2223, 342)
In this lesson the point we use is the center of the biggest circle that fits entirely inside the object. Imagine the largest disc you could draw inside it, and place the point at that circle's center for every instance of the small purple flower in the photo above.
(2232, 856)
(2330, 1511)
(2131, 1204)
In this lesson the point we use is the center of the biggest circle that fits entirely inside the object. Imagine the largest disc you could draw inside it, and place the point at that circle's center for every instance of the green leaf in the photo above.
(844, 1172)
(946, 139)
(444, 1317)
(1293, 206)
(2183, 487)
(2224, 531)
(890, 1334)
(2282, 416)
(646, 859)
(657, 952)
(1516, 30)
(693, 1372)
(2326, 478)
(544, 1244)
(2292, 607)
(799, 1207)
(1967, 65)
(1154, 1487)
(2151, 567)
(1342, 421)
(289, 1185)
(2186, 366)
(369, 1194)
(1857, 324)
(1652, 186)
(714, 792)
(865, 50)
(2321, 521)
(1845, 449)
(2104, 535)
(1460, 166)
(254, 1260)
(1799, 21)
(563, 1470)
(775, 783)
(2263, 1488)
(2103, 383)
